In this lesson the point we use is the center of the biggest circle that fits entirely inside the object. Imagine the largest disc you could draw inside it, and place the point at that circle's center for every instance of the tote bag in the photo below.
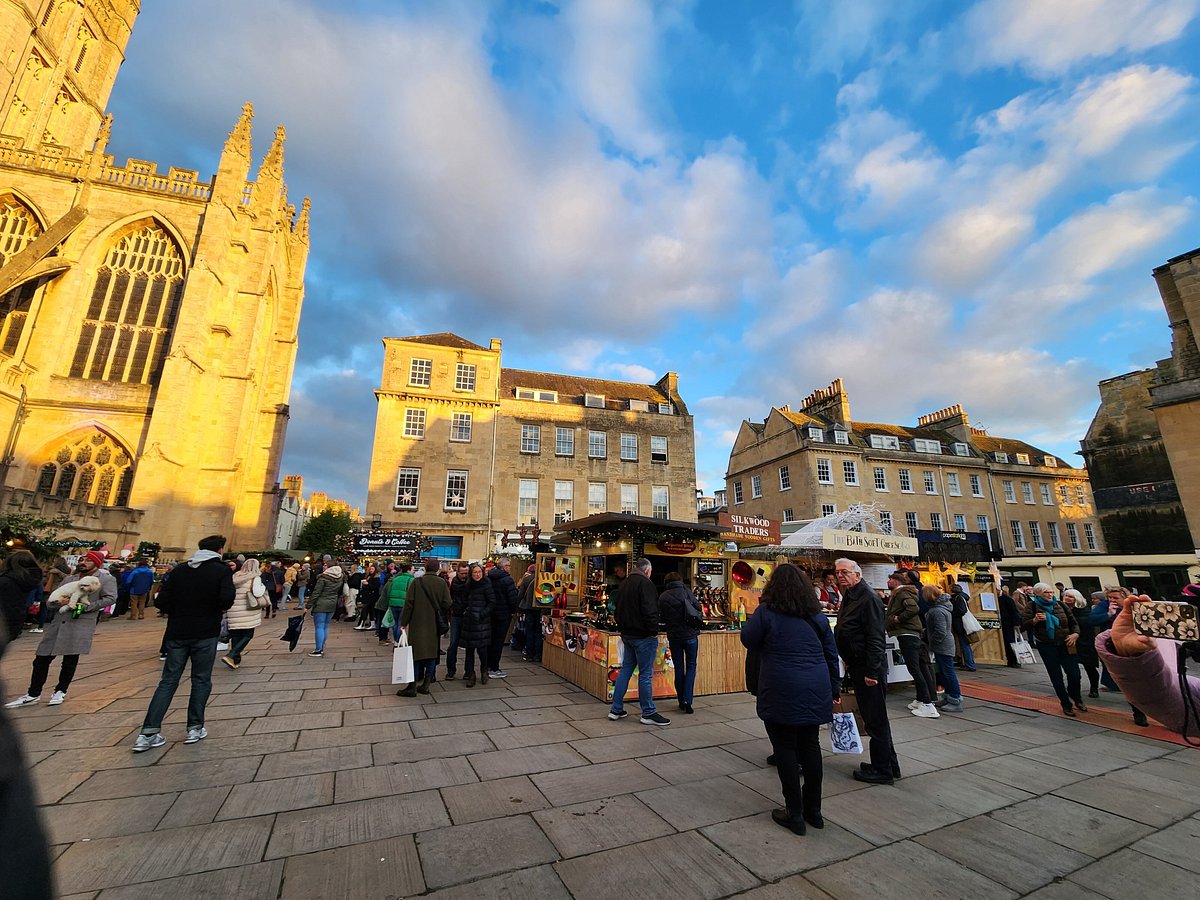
(1023, 651)
(971, 628)
(843, 734)
(403, 671)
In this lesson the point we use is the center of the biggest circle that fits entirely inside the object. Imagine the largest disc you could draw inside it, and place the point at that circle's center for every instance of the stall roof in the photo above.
(625, 526)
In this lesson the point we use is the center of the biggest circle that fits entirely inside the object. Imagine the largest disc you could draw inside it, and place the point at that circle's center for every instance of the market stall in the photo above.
(947, 557)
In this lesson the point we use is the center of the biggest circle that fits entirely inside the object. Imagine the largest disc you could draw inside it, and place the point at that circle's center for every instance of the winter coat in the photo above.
(427, 593)
(324, 595)
(15, 587)
(798, 667)
(194, 597)
(458, 594)
(525, 593)
(475, 606)
(1066, 623)
(959, 608)
(396, 590)
(368, 590)
(504, 590)
(68, 636)
(860, 636)
(303, 576)
(289, 577)
(637, 607)
(1010, 616)
(140, 580)
(939, 622)
(672, 604)
(903, 612)
(240, 617)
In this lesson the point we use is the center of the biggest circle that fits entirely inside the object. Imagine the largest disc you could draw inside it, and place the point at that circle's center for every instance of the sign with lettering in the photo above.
(386, 543)
(676, 548)
(868, 542)
(748, 529)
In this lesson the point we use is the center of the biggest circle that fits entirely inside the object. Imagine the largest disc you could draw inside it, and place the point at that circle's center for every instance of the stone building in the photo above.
(465, 449)
(941, 475)
(147, 319)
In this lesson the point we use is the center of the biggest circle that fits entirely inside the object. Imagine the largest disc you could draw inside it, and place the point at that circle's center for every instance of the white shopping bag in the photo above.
(843, 734)
(1023, 651)
(402, 662)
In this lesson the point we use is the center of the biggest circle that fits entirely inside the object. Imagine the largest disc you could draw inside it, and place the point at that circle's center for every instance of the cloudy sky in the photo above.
(938, 202)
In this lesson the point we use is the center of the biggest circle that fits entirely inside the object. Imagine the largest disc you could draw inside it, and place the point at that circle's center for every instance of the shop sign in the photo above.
(710, 567)
(677, 548)
(748, 529)
(1135, 573)
(868, 542)
(383, 543)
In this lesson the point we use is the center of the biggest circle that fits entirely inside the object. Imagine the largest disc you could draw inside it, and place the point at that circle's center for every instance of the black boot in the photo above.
(1140, 720)
(423, 687)
(410, 691)
(793, 822)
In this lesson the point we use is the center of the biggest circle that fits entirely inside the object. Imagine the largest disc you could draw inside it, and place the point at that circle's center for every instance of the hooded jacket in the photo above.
(195, 596)
(504, 590)
(939, 622)
(474, 604)
(324, 595)
(672, 605)
(903, 612)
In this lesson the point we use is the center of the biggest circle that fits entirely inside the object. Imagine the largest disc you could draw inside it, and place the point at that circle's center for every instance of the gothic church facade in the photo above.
(148, 320)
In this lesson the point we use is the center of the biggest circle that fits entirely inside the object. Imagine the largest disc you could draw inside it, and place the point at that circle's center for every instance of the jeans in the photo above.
(965, 651)
(797, 749)
(424, 668)
(321, 628)
(287, 592)
(683, 654)
(910, 649)
(872, 706)
(639, 654)
(300, 592)
(41, 669)
(1057, 660)
(238, 639)
(203, 653)
(533, 635)
(949, 678)
(452, 650)
(397, 611)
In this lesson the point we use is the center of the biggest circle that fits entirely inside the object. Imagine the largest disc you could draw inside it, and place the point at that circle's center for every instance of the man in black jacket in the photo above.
(194, 598)
(637, 620)
(862, 644)
(503, 610)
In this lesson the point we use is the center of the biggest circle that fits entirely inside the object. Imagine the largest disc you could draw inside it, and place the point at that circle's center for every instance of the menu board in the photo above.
(557, 581)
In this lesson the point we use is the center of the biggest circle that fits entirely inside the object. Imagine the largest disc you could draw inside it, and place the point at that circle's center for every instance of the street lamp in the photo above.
(376, 522)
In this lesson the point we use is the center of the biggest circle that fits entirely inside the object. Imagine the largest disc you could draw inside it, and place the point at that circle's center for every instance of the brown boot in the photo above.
(423, 687)
(410, 691)
(483, 676)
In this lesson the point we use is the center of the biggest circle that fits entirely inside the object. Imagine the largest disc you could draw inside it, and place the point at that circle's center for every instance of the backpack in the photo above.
(692, 617)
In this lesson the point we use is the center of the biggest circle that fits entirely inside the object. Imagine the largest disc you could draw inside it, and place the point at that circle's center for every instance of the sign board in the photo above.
(748, 529)
(676, 548)
(868, 542)
(710, 567)
(383, 543)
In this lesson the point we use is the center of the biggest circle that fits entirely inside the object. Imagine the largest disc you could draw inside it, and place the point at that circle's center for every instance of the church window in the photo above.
(18, 227)
(83, 489)
(46, 477)
(134, 302)
(66, 481)
(87, 468)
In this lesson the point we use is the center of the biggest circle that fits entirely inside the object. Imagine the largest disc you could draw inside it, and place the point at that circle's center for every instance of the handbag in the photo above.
(443, 622)
(1022, 650)
(692, 616)
(389, 620)
(403, 671)
(971, 627)
(254, 598)
(843, 734)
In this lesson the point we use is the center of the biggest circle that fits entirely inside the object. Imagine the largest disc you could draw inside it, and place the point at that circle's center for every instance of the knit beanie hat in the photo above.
(98, 558)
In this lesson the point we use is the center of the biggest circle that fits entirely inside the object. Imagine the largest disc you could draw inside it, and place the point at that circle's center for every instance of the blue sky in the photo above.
(937, 202)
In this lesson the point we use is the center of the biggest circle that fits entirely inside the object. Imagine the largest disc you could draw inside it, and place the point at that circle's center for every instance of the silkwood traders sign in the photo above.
(748, 529)
(867, 542)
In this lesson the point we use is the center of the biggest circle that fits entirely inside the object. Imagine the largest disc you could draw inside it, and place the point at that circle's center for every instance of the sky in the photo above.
(937, 202)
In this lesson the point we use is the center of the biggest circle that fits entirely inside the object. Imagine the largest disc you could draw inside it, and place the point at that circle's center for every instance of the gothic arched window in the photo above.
(135, 299)
(87, 468)
(46, 478)
(66, 482)
(18, 226)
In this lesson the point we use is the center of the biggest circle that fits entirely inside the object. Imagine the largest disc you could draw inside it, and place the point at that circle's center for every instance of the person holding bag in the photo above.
(680, 618)
(798, 688)
(249, 598)
(1055, 632)
(425, 609)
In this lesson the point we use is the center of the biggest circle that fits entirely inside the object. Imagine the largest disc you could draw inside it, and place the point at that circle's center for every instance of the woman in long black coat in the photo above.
(19, 575)
(475, 632)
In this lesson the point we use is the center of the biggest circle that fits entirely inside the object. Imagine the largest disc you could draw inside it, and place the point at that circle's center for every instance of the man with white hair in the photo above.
(862, 644)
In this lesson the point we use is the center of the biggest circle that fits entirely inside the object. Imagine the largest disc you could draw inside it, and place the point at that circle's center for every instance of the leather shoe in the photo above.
(793, 823)
(1140, 720)
(1081, 707)
(1067, 711)
(867, 767)
(815, 819)
(874, 776)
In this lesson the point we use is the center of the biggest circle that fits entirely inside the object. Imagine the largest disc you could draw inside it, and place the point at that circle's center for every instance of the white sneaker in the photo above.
(56, 698)
(497, 674)
(916, 704)
(38, 630)
(23, 700)
(195, 734)
(927, 711)
(146, 742)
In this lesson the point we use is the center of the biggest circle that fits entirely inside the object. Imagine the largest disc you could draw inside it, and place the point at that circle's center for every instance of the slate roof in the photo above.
(442, 339)
(573, 387)
(988, 444)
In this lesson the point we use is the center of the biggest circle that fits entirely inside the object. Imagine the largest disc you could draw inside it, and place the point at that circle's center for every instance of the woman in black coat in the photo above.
(475, 632)
(368, 595)
(19, 575)
(682, 638)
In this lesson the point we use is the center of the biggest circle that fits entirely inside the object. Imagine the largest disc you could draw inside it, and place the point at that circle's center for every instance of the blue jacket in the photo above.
(1098, 615)
(140, 580)
(798, 671)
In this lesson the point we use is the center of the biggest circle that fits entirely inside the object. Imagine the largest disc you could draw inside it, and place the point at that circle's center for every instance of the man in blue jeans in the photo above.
(637, 620)
(194, 598)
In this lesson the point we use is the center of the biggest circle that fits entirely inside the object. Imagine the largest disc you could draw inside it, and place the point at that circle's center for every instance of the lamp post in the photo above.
(376, 522)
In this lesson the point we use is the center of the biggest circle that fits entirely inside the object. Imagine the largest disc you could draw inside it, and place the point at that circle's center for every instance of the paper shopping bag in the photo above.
(843, 734)
(402, 663)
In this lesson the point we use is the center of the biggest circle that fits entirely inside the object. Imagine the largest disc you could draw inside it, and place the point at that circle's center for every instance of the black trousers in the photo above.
(872, 706)
(798, 748)
(499, 631)
(41, 670)
(910, 648)
(1009, 634)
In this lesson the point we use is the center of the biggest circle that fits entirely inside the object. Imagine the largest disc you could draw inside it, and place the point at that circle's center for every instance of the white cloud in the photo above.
(1049, 38)
(631, 372)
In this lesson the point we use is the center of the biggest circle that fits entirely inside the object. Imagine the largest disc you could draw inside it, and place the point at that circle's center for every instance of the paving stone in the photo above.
(638, 745)
(357, 734)
(221, 748)
(990, 715)
(1026, 774)
(988, 739)
(753, 751)
(600, 825)
(393, 713)
(66, 762)
(1172, 770)
(904, 870)
(595, 781)
(342, 691)
(307, 762)
(348, 824)
(772, 852)
(1032, 732)
(78, 739)
(967, 793)
(163, 779)
(1007, 855)
(940, 753)
(1128, 873)
(467, 852)
(458, 725)
(403, 778)
(504, 763)
(594, 725)
(110, 862)
(66, 824)
(515, 737)
(492, 799)
(1062, 890)
(254, 697)
(883, 814)
(1178, 845)
(197, 807)
(267, 724)
(280, 795)
(439, 747)
(689, 738)
(256, 880)
(466, 708)
(51, 787)
(707, 802)
(695, 765)
(96, 720)
(353, 704)
(541, 701)
(795, 888)
(542, 716)
(222, 714)
(1135, 795)
(753, 727)
(744, 707)
(1073, 825)
(688, 863)
(539, 882)
(388, 868)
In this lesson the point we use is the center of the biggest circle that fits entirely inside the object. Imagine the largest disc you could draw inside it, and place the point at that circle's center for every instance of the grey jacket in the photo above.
(67, 636)
(939, 626)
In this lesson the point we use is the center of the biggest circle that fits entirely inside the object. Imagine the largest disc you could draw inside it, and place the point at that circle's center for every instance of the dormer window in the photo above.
(840, 437)
(1051, 462)
(1023, 459)
(885, 442)
(924, 446)
(1001, 456)
(961, 449)
(816, 434)
(536, 395)
(666, 409)
(639, 406)
(596, 401)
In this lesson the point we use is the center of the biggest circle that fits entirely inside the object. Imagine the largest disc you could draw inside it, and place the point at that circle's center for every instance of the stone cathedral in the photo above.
(148, 319)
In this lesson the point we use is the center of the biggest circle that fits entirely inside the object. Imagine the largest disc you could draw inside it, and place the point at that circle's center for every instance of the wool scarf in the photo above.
(1047, 606)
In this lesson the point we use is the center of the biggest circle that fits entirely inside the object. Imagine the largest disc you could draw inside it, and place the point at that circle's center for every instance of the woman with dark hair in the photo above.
(474, 605)
(682, 638)
(19, 575)
(798, 687)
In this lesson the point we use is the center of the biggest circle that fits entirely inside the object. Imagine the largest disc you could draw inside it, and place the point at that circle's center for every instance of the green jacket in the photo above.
(397, 589)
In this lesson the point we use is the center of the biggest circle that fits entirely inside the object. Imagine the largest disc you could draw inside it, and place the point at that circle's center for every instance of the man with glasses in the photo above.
(862, 644)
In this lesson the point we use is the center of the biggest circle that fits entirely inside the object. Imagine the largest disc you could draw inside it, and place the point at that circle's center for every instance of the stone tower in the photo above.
(148, 320)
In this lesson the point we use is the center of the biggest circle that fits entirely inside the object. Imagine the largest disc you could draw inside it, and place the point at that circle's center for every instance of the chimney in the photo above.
(830, 402)
(494, 346)
(952, 419)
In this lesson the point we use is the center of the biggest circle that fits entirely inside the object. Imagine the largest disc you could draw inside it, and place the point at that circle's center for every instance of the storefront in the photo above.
(1161, 576)
(965, 557)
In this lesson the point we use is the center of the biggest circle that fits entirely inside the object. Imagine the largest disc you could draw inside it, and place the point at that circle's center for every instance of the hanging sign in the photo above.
(868, 542)
(748, 529)
(676, 548)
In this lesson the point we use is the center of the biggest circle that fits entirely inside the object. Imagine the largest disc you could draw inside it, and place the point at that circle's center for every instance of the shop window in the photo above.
(658, 448)
(527, 501)
(531, 438)
(597, 445)
(456, 490)
(414, 423)
(464, 377)
(408, 488)
(420, 372)
(564, 441)
(460, 428)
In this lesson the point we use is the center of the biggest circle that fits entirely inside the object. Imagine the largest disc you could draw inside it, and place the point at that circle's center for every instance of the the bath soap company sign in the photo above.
(866, 542)
(748, 529)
